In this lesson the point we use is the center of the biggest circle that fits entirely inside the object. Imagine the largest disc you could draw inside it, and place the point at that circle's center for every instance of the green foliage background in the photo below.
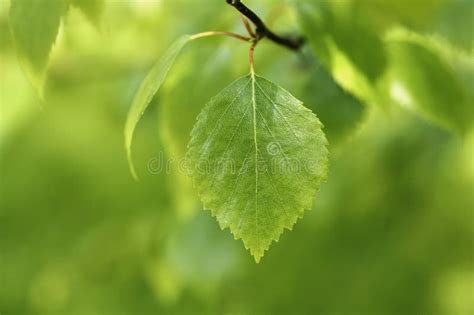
(391, 231)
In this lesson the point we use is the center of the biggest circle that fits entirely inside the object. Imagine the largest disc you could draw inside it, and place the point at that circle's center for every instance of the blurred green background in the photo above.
(391, 231)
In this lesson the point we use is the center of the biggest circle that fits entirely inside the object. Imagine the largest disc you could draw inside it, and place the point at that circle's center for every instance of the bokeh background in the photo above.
(391, 231)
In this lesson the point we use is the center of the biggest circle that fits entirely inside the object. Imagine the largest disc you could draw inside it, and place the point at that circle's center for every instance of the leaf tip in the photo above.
(131, 166)
(257, 258)
(257, 254)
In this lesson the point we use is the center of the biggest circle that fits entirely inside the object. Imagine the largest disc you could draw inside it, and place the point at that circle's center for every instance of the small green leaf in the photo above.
(430, 78)
(92, 9)
(257, 157)
(338, 110)
(345, 43)
(147, 90)
(35, 25)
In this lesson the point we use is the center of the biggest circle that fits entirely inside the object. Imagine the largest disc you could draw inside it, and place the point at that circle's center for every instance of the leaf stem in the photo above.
(216, 33)
(263, 31)
(252, 54)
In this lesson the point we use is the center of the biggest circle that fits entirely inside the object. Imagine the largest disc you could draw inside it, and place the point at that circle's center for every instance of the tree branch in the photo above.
(262, 30)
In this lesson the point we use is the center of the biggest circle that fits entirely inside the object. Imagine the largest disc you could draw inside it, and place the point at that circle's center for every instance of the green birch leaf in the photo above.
(338, 110)
(150, 85)
(92, 9)
(430, 78)
(35, 25)
(345, 43)
(257, 157)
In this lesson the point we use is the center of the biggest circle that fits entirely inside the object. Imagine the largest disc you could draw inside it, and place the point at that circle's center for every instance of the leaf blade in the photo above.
(149, 87)
(339, 111)
(429, 77)
(334, 31)
(35, 25)
(246, 136)
(92, 9)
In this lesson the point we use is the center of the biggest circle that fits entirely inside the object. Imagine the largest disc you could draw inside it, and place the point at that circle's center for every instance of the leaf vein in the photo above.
(278, 110)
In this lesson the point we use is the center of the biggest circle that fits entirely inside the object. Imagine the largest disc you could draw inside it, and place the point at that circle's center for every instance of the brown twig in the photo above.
(262, 30)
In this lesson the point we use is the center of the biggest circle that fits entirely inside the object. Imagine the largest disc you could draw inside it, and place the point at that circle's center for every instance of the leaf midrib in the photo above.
(254, 104)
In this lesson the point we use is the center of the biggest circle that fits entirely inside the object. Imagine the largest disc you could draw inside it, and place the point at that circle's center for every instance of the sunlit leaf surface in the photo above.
(92, 9)
(345, 43)
(338, 110)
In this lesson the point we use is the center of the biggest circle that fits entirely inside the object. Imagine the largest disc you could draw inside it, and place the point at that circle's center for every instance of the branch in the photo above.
(262, 30)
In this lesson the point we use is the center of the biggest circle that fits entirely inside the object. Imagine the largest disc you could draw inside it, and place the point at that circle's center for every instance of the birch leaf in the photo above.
(257, 157)
(35, 25)
(431, 78)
